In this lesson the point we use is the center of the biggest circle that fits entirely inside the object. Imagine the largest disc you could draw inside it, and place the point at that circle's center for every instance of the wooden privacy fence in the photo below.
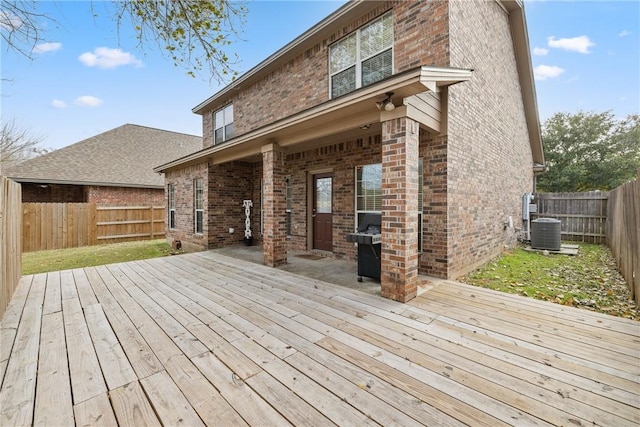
(583, 216)
(69, 225)
(623, 229)
(10, 242)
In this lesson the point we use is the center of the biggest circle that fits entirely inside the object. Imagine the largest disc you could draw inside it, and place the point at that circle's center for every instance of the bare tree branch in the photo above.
(21, 26)
(17, 145)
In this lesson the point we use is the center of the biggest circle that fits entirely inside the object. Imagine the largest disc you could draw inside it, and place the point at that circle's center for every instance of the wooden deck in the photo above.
(204, 339)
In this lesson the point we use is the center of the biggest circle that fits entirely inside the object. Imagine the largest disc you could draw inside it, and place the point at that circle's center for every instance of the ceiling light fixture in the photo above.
(365, 127)
(387, 103)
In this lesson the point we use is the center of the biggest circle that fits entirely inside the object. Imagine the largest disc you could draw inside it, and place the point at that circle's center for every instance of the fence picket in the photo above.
(623, 233)
(10, 243)
(66, 225)
(582, 215)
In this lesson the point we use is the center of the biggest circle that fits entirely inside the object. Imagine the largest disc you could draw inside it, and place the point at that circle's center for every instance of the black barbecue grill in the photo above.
(368, 239)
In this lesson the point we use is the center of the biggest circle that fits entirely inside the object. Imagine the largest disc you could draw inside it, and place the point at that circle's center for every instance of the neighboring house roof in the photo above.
(121, 157)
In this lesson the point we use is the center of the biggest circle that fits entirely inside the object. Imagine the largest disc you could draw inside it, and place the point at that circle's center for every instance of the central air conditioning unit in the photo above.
(545, 234)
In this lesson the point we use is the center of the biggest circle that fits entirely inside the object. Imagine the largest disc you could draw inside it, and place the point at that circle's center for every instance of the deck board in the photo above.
(17, 396)
(54, 406)
(205, 339)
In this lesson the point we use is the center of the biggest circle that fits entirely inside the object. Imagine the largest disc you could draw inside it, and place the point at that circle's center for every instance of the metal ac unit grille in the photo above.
(545, 234)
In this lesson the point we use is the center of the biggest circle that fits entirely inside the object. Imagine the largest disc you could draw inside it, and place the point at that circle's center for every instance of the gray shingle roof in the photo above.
(123, 157)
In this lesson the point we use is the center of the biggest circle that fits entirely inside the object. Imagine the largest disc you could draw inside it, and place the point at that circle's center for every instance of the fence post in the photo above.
(151, 222)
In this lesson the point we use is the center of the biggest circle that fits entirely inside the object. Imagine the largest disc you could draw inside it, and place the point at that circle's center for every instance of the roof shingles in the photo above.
(123, 157)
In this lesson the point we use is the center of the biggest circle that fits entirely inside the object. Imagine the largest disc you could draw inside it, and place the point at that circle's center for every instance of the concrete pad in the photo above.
(564, 250)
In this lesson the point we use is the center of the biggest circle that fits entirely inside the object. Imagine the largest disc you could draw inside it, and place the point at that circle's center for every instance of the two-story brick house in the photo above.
(422, 111)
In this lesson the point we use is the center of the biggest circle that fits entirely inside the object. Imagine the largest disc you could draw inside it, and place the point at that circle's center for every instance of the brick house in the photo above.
(423, 111)
(114, 168)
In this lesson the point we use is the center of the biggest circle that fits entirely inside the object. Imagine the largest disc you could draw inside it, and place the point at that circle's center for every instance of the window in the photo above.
(223, 124)
(288, 196)
(198, 204)
(368, 190)
(369, 193)
(362, 58)
(171, 192)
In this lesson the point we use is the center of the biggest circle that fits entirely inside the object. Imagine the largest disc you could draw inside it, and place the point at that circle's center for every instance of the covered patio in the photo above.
(207, 339)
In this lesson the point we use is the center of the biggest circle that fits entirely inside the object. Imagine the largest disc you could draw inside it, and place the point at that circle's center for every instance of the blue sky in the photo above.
(89, 79)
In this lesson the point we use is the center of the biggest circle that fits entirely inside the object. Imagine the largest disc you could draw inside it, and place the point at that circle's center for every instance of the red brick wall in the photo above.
(124, 196)
(184, 201)
(489, 154)
(474, 176)
(100, 195)
(341, 159)
(229, 185)
(435, 259)
(274, 235)
(53, 193)
(399, 257)
(421, 38)
(421, 34)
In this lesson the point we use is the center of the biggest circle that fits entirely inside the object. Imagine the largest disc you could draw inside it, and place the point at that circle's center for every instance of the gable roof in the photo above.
(121, 157)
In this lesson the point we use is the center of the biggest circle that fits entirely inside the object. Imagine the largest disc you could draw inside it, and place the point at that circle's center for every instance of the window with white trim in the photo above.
(369, 193)
(223, 124)
(288, 196)
(171, 205)
(362, 58)
(198, 204)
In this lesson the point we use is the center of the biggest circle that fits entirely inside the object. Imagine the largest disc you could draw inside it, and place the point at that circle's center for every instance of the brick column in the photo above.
(274, 243)
(399, 274)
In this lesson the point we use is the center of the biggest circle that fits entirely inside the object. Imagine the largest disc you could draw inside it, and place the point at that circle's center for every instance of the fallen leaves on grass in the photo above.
(589, 280)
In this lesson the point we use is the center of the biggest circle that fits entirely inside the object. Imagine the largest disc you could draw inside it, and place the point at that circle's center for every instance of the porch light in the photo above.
(386, 104)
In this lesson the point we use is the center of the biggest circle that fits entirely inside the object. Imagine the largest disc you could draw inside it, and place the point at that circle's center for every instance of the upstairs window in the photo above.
(223, 124)
(362, 58)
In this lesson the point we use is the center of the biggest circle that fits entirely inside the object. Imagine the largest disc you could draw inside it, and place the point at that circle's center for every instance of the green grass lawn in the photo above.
(588, 280)
(87, 256)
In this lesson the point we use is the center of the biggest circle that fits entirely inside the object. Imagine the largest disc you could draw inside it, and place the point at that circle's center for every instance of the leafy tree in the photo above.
(589, 151)
(17, 145)
(193, 33)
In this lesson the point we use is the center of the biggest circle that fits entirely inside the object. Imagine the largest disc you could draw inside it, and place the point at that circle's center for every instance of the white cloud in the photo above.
(579, 44)
(540, 51)
(104, 57)
(47, 47)
(9, 21)
(87, 101)
(624, 33)
(56, 103)
(543, 72)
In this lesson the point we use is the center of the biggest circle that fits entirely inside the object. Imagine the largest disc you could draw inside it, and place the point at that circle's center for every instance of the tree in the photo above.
(589, 151)
(193, 33)
(17, 145)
